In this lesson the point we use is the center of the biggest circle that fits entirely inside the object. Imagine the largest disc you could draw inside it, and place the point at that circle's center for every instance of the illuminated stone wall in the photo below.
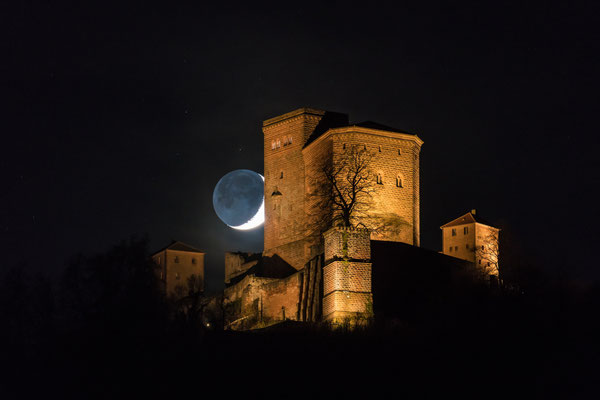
(175, 268)
(285, 220)
(395, 202)
(347, 280)
(256, 302)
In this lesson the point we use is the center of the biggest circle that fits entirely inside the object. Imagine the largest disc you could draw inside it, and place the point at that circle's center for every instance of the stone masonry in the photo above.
(347, 291)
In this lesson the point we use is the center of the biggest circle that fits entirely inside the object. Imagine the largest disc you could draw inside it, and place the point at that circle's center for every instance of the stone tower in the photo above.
(297, 144)
(347, 291)
(284, 138)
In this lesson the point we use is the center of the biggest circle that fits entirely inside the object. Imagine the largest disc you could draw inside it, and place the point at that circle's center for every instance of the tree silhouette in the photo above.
(342, 189)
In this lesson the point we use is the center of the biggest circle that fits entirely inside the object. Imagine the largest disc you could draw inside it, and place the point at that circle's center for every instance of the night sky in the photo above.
(121, 120)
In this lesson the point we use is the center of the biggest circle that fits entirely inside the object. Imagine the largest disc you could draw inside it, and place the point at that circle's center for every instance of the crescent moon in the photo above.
(257, 220)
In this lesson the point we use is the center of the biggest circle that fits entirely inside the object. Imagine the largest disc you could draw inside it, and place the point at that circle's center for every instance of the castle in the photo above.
(310, 271)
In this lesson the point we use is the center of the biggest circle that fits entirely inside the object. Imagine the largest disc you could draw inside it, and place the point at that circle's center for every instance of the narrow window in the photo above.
(194, 260)
(176, 260)
(273, 145)
(467, 245)
(399, 181)
(278, 143)
(344, 146)
(455, 248)
(285, 141)
(450, 249)
(379, 179)
(176, 276)
(281, 176)
(465, 230)
(158, 260)
(380, 149)
(453, 232)
(482, 248)
(399, 152)
(290, 140)
(479, 262)
(365, 146)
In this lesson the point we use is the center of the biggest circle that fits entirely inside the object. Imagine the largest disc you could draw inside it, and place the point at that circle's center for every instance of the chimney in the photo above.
(474, 211)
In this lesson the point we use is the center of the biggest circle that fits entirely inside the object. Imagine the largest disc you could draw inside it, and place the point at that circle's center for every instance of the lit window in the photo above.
(278, 143)
(465, 230)
(379, 179)
(453, 232)
(290, 140)
(176, 259)
(273, 145)
(399, 181)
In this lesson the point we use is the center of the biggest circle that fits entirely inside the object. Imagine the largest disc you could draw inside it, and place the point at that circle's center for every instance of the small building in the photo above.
(471, 238)
(177, 263)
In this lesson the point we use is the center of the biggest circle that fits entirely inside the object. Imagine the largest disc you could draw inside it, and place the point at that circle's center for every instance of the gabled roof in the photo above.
(468, 218)
(179, 246)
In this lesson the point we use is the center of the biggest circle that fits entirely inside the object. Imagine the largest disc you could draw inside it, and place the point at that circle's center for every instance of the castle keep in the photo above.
(299, 143)
(352, 271)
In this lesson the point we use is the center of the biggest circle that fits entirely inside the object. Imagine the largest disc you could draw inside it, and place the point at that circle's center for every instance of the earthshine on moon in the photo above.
(239, 199)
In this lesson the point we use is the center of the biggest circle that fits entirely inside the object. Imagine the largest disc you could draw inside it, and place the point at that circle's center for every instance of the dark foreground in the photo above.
(104, 331)
(522, 358)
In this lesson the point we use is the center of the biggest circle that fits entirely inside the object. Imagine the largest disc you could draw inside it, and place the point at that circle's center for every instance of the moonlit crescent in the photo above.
(257, 220)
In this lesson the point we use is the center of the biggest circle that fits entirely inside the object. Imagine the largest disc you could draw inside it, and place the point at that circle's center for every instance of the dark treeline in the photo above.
(104, 330)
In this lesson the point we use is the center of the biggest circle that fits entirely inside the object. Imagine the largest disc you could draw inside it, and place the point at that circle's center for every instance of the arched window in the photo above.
(380, 149)
(399, 181)
(379, 178)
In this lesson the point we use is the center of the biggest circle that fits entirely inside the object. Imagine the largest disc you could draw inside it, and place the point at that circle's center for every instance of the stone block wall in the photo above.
(256, 302)
(285, 220)
(347, 280)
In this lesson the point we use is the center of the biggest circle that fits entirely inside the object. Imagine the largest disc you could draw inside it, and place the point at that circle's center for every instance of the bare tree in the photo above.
(190, 302)
(342, 190)
(487, 254)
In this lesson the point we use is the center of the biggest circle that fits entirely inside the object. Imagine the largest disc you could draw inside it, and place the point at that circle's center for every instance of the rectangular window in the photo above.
(467, 246)
(450, 249)
(455, 248)
(466, 230)
(453, 232)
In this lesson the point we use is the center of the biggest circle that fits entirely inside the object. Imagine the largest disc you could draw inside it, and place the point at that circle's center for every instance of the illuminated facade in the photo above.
(177, 263)
(470, 238)
(297, 143)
